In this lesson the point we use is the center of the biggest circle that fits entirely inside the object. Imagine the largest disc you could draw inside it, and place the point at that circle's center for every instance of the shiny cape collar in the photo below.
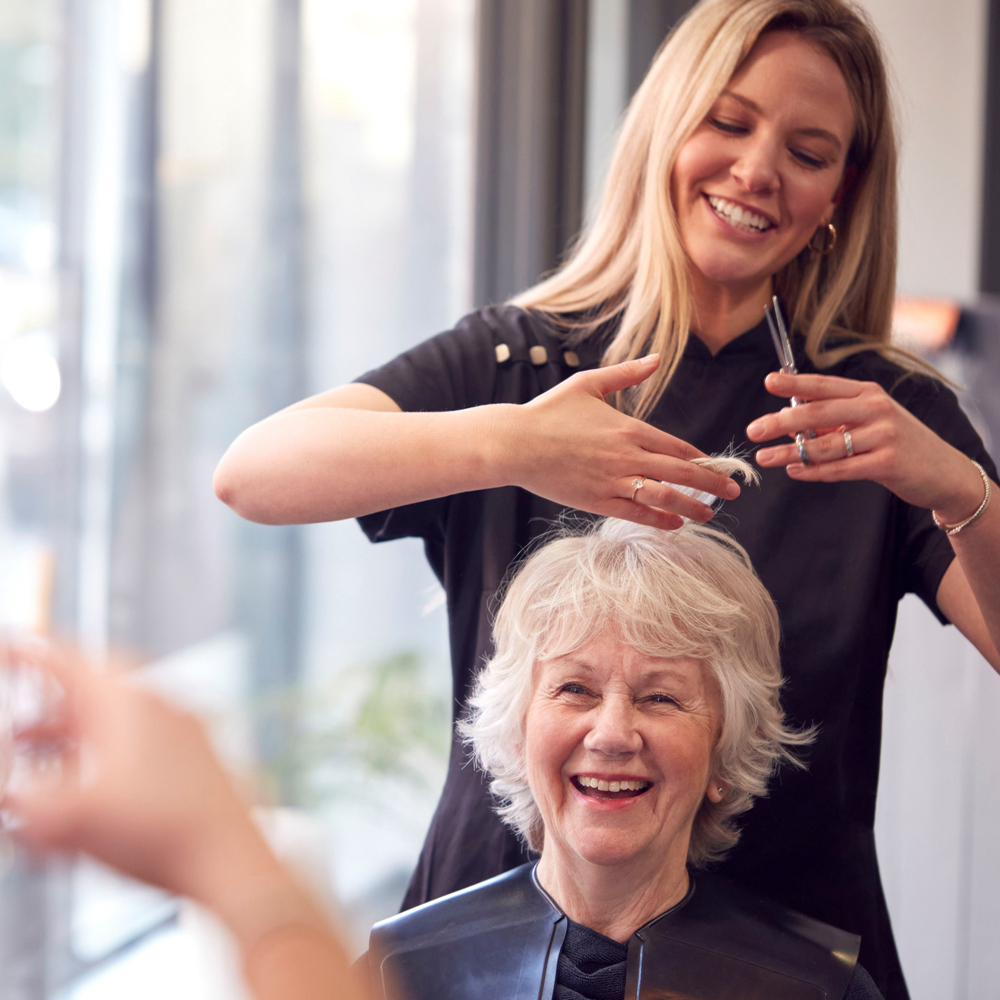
(500, 940)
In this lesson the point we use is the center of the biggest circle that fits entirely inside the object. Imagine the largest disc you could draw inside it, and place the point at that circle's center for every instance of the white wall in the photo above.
(938, 54)
(938, 821)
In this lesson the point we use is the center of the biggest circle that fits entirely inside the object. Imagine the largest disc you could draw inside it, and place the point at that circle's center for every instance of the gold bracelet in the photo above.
(954, 529)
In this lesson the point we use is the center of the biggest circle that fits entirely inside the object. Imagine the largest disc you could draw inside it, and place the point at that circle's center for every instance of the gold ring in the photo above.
(637, 484)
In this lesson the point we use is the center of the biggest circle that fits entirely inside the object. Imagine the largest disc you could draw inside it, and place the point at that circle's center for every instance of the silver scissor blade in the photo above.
(777, 340)
(784, 348)
(785, 342)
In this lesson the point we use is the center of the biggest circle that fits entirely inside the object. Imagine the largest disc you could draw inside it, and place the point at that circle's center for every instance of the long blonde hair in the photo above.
(630, 265)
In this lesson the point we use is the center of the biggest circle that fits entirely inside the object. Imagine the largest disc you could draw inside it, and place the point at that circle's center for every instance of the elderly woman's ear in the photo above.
(716, 790)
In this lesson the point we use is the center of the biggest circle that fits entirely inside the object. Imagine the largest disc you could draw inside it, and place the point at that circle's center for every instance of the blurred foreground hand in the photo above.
(114, 771)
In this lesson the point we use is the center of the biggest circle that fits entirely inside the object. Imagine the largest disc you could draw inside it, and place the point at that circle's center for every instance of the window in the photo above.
(209, 208)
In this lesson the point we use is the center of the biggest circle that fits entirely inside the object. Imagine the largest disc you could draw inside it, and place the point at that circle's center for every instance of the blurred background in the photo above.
(211, 208)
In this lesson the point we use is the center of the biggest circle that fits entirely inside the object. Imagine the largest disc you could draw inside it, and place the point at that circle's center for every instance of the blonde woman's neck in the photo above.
(722, 313)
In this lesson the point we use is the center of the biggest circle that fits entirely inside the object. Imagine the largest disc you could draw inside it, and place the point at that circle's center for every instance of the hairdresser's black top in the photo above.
(506, 938)
(836, 558)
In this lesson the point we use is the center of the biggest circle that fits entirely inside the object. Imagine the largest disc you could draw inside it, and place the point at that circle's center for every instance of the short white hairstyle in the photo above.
(689, 593)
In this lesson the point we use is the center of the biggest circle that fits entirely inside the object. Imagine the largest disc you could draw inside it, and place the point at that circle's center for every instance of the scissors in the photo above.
(779, 334)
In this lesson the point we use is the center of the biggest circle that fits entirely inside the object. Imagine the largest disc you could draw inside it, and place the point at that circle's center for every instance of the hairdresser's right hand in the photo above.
(570, 446)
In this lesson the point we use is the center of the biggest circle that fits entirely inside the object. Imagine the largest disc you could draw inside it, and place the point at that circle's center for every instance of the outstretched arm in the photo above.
(133, 782)
(970, 590)
(351, 451)
(893, 447)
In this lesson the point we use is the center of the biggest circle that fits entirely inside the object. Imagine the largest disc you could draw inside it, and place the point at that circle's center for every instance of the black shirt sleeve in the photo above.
(924, 549)
(452, 371)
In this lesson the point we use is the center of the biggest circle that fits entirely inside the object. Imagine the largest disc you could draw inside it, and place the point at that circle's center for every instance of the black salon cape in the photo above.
(507, 938)
(836, 558)
(593, 967)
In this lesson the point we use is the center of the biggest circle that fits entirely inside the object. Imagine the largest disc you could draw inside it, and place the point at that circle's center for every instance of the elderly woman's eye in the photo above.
(662, 699)
(573, 689)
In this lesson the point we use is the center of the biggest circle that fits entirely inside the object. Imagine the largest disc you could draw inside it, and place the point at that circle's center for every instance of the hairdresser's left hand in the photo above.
(891, 446)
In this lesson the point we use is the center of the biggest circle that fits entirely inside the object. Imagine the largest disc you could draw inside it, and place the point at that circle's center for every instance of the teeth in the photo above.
(612, 786)
(740, 217)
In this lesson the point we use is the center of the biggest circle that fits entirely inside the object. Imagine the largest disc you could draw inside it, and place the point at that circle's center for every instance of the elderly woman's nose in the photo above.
(614, 731)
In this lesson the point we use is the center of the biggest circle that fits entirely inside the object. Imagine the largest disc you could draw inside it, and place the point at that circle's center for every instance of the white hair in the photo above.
(689, 593)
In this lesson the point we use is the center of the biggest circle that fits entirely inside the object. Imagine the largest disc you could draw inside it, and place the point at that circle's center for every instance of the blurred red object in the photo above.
(924, 324)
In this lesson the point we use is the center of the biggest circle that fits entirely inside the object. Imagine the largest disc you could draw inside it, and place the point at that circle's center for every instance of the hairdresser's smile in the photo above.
(740, 216)
(764, 170)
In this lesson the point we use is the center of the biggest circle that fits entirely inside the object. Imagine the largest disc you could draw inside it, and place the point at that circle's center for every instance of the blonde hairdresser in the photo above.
(758, 158)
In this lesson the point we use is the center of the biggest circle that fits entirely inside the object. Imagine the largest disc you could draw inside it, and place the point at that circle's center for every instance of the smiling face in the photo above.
(618, 747)
(762, 172)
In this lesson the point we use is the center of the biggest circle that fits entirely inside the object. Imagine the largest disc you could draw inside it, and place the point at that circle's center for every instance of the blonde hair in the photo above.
(690, 593)
(630, 265)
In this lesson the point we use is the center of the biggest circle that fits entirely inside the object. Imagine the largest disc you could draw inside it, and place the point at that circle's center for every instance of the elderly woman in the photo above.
(629, 714)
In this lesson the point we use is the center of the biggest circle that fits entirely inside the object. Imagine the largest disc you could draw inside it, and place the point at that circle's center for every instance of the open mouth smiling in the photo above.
(738, 216)
(606, 788)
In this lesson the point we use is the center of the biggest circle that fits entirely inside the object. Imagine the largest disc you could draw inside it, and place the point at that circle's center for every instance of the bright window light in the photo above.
(30, 372)
(39, 248)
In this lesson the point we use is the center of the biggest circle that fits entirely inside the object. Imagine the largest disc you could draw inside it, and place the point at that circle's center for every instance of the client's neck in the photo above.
(617, 899)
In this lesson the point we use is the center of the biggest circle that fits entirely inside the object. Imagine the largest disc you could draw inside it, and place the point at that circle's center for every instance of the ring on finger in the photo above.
(637, 484)
(800, 443)
(848, 442)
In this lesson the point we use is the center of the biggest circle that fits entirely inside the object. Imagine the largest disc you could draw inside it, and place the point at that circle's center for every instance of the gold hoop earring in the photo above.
(829, 240)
